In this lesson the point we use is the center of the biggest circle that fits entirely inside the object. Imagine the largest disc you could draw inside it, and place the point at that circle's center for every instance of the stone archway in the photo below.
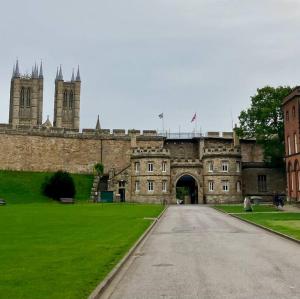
(187, 189)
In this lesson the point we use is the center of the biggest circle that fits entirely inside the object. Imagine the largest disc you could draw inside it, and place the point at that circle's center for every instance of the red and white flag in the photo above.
(194, 118)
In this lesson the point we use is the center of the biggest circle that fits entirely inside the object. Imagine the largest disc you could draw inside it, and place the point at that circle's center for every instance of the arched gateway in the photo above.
(187, 189)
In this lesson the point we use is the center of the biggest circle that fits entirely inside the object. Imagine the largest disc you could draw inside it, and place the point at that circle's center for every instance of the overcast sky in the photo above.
(141, 58)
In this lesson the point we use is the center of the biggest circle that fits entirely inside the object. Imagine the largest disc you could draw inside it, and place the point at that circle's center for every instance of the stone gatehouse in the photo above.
(140, 166)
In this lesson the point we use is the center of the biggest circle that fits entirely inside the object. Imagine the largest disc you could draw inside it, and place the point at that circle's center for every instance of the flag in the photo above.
(161, 115)
(194, 117)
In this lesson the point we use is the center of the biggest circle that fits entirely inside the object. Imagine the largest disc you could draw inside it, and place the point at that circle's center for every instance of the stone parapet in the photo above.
(221, 151)
(138, 153)
(186, 163)
(74, 133)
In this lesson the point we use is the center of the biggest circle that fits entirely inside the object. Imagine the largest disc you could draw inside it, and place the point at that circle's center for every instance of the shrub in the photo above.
(99, 168)
(59, 185)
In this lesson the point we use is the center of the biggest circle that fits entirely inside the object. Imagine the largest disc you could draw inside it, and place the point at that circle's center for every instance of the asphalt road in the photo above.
(197, 252)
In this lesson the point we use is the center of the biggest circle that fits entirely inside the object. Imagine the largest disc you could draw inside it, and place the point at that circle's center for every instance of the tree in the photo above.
(59, 185)
(264, 121)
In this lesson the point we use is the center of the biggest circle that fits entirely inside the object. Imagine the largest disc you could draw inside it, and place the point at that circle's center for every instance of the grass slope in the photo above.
(25, 187)
(53, 251)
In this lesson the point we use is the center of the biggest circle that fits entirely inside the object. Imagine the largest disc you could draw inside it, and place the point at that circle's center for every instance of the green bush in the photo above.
(59, 185)
(99, 168)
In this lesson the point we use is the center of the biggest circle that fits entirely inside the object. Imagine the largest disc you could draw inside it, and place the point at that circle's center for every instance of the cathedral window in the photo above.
(164, 166)
(65, 103)
(28, 97)
(150, 186)
(22, 98)
(71, 99)
(210, 186)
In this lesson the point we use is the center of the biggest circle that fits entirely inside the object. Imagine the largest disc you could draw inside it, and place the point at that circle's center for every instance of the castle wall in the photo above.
(75, 153)
(251, 151)
(275, 181)
(183, 149)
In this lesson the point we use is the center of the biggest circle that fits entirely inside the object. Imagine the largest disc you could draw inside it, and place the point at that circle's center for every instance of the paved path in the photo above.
(197, 252)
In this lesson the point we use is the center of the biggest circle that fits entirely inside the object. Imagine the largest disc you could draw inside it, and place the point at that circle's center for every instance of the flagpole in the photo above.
(163, 124)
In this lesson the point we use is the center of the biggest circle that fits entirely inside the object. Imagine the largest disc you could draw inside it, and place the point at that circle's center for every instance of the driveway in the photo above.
(197, 252)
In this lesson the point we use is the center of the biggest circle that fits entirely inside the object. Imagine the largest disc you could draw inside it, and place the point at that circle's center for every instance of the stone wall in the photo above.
(183, 149)
(74, 152)
(275, 180)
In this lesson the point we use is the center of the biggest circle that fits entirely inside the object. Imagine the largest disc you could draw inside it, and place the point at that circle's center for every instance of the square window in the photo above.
(137, 186)
(225, 186)
(150, 167)
(262, 183)
(137, 166)
(225, 166)
(150, 186)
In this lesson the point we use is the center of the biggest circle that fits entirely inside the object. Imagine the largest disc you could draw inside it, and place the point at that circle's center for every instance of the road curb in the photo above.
(261, 226)
(107, 280)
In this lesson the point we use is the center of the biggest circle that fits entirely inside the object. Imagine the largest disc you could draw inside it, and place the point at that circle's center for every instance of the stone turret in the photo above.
(67, 101)
(26, 98)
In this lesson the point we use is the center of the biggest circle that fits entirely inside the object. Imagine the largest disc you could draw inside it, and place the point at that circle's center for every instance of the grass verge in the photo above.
(283, 222)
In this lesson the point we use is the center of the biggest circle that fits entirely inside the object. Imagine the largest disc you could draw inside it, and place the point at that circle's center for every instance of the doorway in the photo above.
(187, 190)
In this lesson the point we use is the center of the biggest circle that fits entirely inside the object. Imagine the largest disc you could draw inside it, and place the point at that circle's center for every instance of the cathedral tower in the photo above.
(67, 101)
(26, 97)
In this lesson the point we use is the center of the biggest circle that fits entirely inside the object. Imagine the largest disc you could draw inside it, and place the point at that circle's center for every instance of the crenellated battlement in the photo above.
(150, 152)
(186, 163)
(221, 151)
(86, 133)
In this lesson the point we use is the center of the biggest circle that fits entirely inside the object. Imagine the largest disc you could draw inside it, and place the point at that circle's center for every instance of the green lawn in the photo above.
(238, 208)
(25, 187)
(283, 222)
(286, 223)
(59, 251)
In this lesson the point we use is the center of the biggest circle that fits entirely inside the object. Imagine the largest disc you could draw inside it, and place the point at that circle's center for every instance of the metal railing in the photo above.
(181, 135)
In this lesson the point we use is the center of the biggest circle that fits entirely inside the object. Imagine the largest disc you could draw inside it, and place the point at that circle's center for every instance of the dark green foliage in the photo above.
(264, 121)
(181, 192)
(99, 168)
(59, 185)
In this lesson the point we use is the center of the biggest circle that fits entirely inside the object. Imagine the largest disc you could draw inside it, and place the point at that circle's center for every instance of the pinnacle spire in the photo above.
(56, 77)
(72, 78)
(60, 75)
(17, 72)
(34, 73)
(41, 76)
(78, 75)
(98, 127)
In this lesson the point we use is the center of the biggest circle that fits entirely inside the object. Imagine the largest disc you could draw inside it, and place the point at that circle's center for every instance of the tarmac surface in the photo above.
(197, 252)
